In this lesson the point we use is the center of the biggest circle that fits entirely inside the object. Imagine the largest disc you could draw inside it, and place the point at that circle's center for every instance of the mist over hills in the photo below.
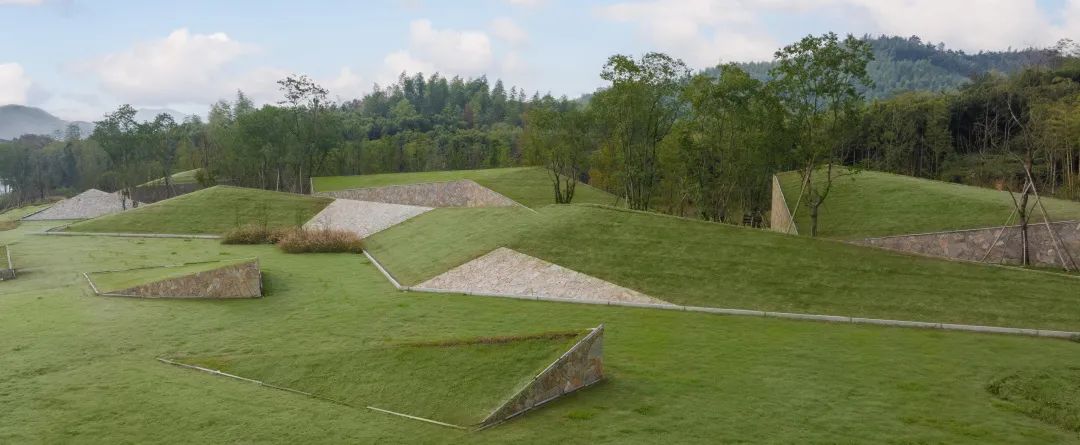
(17, 120)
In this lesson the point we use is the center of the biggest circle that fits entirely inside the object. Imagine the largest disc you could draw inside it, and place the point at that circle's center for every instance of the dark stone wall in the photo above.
(972, 245)
(581, 366)
(153, 193)
(243, 280)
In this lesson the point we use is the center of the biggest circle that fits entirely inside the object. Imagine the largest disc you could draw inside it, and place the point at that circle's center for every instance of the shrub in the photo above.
(321, 241)
(254, 234)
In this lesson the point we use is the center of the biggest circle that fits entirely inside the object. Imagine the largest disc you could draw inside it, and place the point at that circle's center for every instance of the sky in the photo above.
(79, 59)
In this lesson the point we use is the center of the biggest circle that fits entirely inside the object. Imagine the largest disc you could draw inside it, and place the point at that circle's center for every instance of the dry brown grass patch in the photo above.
(321, 241)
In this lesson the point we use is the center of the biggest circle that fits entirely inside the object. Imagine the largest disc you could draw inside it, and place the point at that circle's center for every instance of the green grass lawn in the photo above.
(113, 281)
(83, 370)
(210, 211)
(529, 186)
(870, 204)
(698, 263)
(14, 215)
(184, 177)
(456, 384)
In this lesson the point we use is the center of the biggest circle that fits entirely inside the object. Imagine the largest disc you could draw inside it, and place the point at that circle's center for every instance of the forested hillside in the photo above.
(909, 64)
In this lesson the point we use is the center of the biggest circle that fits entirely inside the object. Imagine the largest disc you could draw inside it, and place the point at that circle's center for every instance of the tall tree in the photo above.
(820, 78)
(639, 109)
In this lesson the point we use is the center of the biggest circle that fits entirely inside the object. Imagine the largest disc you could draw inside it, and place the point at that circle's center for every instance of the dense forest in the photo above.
(658, 135)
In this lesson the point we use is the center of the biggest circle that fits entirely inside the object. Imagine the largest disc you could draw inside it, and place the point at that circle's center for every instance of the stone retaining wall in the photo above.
(148, 194)
(463, 193)
(7, 267)
(581, 366)
(242, 280)
(972, 245)
(779, 213)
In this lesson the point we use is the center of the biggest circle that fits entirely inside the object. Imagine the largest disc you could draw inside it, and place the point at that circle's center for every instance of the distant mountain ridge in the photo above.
(18, 120)
(909, 64)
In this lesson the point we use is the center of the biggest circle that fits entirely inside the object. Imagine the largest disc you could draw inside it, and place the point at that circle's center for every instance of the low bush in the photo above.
(321, 241)
(254, 234)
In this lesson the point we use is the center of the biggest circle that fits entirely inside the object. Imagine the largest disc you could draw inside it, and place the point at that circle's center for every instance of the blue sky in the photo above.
(79, 59)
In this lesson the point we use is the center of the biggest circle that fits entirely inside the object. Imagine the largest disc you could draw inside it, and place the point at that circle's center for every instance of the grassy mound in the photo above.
(706, 264)
(529, 186)
(870, 204)
(458, 382)
(77, 369)
(210, 211)
(113, 281)
(1051, 395)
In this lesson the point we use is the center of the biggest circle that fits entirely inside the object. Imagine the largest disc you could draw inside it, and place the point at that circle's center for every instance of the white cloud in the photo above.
(505, 29)
(705, 31)
(182, 67)
(466, 53)
(14, 84)
(970, 25)
(347, 85)
(21, 2)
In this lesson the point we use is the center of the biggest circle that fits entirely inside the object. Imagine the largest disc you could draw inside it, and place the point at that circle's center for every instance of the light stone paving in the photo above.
(507, 272)
(363, 218)
(461, 193)
(89, 204)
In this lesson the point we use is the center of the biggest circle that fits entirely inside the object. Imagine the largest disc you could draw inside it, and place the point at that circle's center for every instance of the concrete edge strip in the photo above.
(488, 422)
(296, 391)
(409, 416)
(129, 235)
(750, 312)
(382, 269)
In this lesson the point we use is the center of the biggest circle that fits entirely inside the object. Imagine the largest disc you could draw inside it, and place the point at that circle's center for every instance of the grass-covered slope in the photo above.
(1051, 395)
(529, 186)
(22, 212)
(184, 177)
(82, 370)
(113, 281)
(453, 382)
(870, 204)
(706, 264)
(210, 211)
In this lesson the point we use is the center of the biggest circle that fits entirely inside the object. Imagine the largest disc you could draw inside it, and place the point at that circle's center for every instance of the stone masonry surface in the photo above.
(241, 280)
(779, 214)
(7, 266)
(89, 204)
(973, 244)
(363, 218)
(507, 272)
(581, 366)
(463, 193)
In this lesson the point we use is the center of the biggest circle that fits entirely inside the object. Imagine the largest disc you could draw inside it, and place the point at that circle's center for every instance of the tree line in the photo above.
(658, 135)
